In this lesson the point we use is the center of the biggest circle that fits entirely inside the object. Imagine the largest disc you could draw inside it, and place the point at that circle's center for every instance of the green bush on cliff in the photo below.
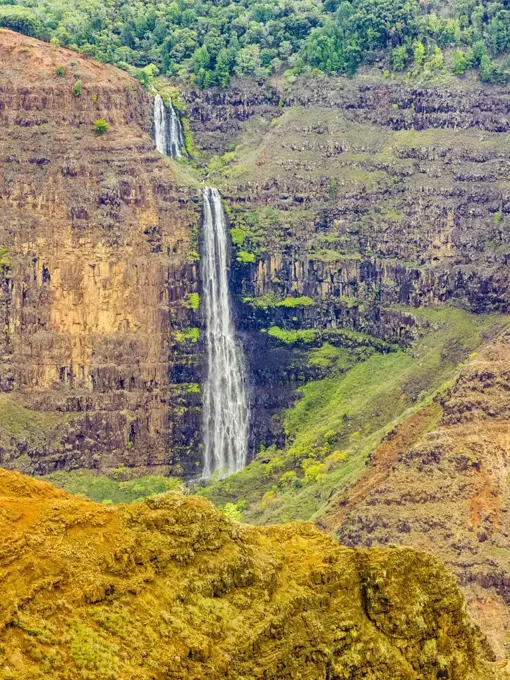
(291, 302)
(293, 337)
(5, 261)
(245, 257)
(193, 301)
(101, 127)
(191, 334)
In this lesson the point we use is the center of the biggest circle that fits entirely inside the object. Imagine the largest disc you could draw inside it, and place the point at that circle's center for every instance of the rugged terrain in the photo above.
(362, 199)
(440, 483)
(170, 588)
(369, 222)
(95, 272)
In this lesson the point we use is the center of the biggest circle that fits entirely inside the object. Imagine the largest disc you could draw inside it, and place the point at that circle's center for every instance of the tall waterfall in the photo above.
(167, 129)
(225, 402)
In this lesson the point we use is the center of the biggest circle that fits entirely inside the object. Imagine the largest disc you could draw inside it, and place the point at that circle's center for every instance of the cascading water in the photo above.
(167, 129)
(225, 401)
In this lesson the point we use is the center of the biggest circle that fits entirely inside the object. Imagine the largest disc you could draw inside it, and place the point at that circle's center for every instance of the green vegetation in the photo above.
(5, 261)
(266, 301)
(20, 19)
(31, 428)
(238, 236)
(77, 88)
(193, 301)
(342, 337)
(296, 302)
(340, 419)
(60, 71)
(293, 337)
(101, 127)
(233, 511)
(192, 334)
(107, 490)
(91, 651)
(207, 42)
(245, 257)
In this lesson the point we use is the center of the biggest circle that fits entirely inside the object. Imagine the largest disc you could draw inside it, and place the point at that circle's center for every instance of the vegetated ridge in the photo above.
(170, 588)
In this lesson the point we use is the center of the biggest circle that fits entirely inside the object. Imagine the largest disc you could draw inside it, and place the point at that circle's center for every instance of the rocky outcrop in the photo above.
(439, 483)
(370, 198)
(95, 232)
(170, 588)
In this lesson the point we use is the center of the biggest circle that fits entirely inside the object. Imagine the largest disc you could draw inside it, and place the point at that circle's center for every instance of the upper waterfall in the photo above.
(168, 131)
(225, 401)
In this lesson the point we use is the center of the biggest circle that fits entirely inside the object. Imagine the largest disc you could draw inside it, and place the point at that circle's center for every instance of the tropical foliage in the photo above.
(208, 41)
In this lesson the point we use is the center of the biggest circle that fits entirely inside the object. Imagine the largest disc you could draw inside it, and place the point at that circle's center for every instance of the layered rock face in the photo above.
(95, 233)
(440, 483)
(398, 189)
(170, 588)
(366, 197)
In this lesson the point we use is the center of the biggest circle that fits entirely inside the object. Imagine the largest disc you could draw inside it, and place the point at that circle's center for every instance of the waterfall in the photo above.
(225, 402)
(167, 129)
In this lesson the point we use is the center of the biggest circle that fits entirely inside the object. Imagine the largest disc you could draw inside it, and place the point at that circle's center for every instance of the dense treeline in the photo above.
(208, 41)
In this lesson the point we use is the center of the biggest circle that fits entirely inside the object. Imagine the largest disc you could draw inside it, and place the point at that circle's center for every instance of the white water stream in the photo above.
(225, 401)
(168, 131)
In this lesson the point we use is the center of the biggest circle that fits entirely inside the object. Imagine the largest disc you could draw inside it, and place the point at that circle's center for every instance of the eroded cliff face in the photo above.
(170, 588)
(369, 198)
(95, 272)
(439, 483)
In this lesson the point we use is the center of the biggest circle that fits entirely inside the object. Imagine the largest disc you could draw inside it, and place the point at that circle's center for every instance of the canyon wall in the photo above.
(368, 198)
(352, 203)
(95, 273)
(439, 483)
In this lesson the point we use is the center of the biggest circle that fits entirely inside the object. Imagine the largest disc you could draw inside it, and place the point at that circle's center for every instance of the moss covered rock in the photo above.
(169, 588)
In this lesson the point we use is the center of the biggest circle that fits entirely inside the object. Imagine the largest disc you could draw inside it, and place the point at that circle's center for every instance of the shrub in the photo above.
(5, 261)
(60, 71)
(101, 127)
(245, 258)
(302, 301)
(77, 88)
(460, 63)
(232, 511)
(193, 301)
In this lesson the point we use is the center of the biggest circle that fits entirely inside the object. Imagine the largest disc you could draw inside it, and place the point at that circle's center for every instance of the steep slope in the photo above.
(439, 483)
(353, 202)
(94, 234)
(170, 588)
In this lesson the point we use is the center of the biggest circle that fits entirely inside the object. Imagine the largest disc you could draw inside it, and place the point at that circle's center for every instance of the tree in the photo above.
(20, 19)
(201, 60)
(223, 64)
(399, 58)
(459, 63)
(436, 61)
(147, 74)
(485, 69)
(419, 54)
(248, 60)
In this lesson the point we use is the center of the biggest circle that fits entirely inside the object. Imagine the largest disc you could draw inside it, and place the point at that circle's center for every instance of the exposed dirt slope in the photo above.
(170, 588)
(443, 487)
